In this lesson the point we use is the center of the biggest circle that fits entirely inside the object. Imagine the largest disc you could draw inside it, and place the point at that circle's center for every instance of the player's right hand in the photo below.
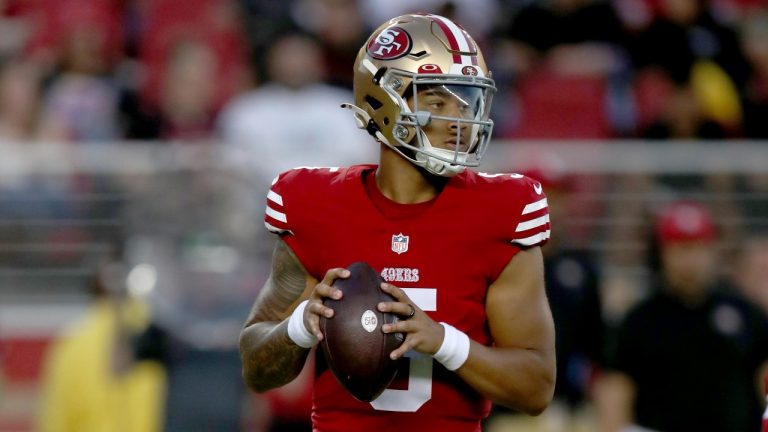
(315, 308)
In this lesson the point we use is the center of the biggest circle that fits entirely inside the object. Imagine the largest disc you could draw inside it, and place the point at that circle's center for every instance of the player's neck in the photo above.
(403, 182)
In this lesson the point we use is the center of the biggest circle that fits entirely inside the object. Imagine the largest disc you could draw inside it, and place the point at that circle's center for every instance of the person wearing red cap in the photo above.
(688, 357)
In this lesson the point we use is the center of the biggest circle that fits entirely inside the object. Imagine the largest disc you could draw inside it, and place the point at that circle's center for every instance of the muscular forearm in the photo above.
(517, 378)
(270, 359)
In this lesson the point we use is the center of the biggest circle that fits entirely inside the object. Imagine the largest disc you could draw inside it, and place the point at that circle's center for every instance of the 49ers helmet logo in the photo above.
(391, 43)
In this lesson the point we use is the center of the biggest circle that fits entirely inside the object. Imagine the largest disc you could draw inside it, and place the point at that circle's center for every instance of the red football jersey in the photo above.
(444, 253)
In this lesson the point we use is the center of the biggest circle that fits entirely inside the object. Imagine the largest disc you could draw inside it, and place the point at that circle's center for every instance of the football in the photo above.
(355, 348)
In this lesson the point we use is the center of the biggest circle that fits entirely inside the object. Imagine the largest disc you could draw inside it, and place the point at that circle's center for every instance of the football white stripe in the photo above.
(536, 238)
(461, 40)
(275, 229)
(533, 223)
(534, 206)
(275, 198)
(274, 214)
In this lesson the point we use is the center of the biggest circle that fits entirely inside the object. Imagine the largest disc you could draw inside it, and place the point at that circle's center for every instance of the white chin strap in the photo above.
(436, 166)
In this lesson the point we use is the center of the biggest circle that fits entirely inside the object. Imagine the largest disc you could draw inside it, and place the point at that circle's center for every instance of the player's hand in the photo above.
(421, 332)
(315, 308)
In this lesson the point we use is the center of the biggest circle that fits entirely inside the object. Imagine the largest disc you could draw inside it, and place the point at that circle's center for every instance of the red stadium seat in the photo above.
(555, 106)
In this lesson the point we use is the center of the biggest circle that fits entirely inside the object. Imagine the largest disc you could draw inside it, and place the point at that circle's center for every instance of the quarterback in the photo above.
(459, 250)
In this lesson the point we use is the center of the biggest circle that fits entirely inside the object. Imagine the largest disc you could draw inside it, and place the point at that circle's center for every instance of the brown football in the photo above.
(355, 348)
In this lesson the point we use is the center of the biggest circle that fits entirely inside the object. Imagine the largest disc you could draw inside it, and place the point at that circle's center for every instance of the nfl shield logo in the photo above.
(399, 243)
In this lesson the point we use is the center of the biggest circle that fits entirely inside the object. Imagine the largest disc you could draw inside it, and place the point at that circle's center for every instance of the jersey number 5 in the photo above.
(419, 369)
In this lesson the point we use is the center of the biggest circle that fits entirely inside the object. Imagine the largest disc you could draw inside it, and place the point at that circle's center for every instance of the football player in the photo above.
(459, 250)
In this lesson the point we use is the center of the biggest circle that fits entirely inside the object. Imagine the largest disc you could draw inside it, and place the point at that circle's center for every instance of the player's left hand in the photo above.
(421, 332)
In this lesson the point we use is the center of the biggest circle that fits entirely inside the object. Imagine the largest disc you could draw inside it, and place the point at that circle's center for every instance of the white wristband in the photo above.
(455, 348)
(297, 331)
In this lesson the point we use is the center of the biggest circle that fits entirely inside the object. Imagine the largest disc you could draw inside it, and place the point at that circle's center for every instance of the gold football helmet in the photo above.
(420, 74)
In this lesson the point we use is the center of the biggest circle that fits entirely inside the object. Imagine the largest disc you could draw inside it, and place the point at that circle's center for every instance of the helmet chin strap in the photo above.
(433, 165)
(438, 167)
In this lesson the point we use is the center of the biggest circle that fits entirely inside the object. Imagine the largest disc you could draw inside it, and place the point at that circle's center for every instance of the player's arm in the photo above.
(269, 357)
(519, 371)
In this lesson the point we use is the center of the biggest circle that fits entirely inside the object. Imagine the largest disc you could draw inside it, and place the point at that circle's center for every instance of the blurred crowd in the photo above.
(100, 70)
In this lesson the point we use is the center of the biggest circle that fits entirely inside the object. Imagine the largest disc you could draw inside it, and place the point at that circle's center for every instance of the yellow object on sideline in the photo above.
(84, 387)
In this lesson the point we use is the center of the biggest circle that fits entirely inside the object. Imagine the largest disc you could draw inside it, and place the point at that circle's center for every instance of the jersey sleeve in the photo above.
(276, 212)
(292, 209)
(529, 214)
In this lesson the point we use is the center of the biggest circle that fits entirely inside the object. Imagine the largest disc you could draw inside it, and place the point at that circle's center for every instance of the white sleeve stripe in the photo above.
(532, 240)
(275, 229)
(274, 214)
(275, 198)
(533, 223)
(534, 206)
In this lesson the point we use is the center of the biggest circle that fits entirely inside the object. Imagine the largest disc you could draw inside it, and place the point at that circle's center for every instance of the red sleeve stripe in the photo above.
(534, 239)
(535, 206)
(533, 223)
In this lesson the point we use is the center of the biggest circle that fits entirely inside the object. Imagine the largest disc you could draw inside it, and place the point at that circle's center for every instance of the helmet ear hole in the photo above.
(386, 121)
(373, 102)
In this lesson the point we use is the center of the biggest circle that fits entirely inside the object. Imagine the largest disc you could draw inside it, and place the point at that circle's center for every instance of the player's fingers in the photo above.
(404, 310)
(400, 326)
(410, 343)
(333, 274)
(395, 292)
(313, 312)
(318, 309)
(325, 288)
(322, 291)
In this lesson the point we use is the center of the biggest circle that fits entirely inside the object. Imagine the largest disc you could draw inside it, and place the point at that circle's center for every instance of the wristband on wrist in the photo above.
(297, 331)
(455, 348)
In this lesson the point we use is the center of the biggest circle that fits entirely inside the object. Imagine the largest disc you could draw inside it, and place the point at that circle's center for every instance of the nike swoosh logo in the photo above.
(537, 188)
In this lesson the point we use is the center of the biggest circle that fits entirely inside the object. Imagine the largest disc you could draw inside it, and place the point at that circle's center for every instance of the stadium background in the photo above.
(154, 127)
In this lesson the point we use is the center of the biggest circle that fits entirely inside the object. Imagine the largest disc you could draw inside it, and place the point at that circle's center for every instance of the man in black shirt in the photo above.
(688, 357)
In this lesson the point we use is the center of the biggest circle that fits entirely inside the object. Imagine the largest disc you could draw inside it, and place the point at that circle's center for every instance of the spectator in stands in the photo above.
(294, 119)
(700, 60)
(589, 34)
(263, 19)
(688, 357)
(187, 92)
(585, 55)
(91, 381)
(19, 99)
(192, 58)
(754, 42)
(80, 104)
(751, 275)
(683, 118)
(340, 31)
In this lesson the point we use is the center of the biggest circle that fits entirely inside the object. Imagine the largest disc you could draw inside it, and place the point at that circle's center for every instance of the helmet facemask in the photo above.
(452, 109)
